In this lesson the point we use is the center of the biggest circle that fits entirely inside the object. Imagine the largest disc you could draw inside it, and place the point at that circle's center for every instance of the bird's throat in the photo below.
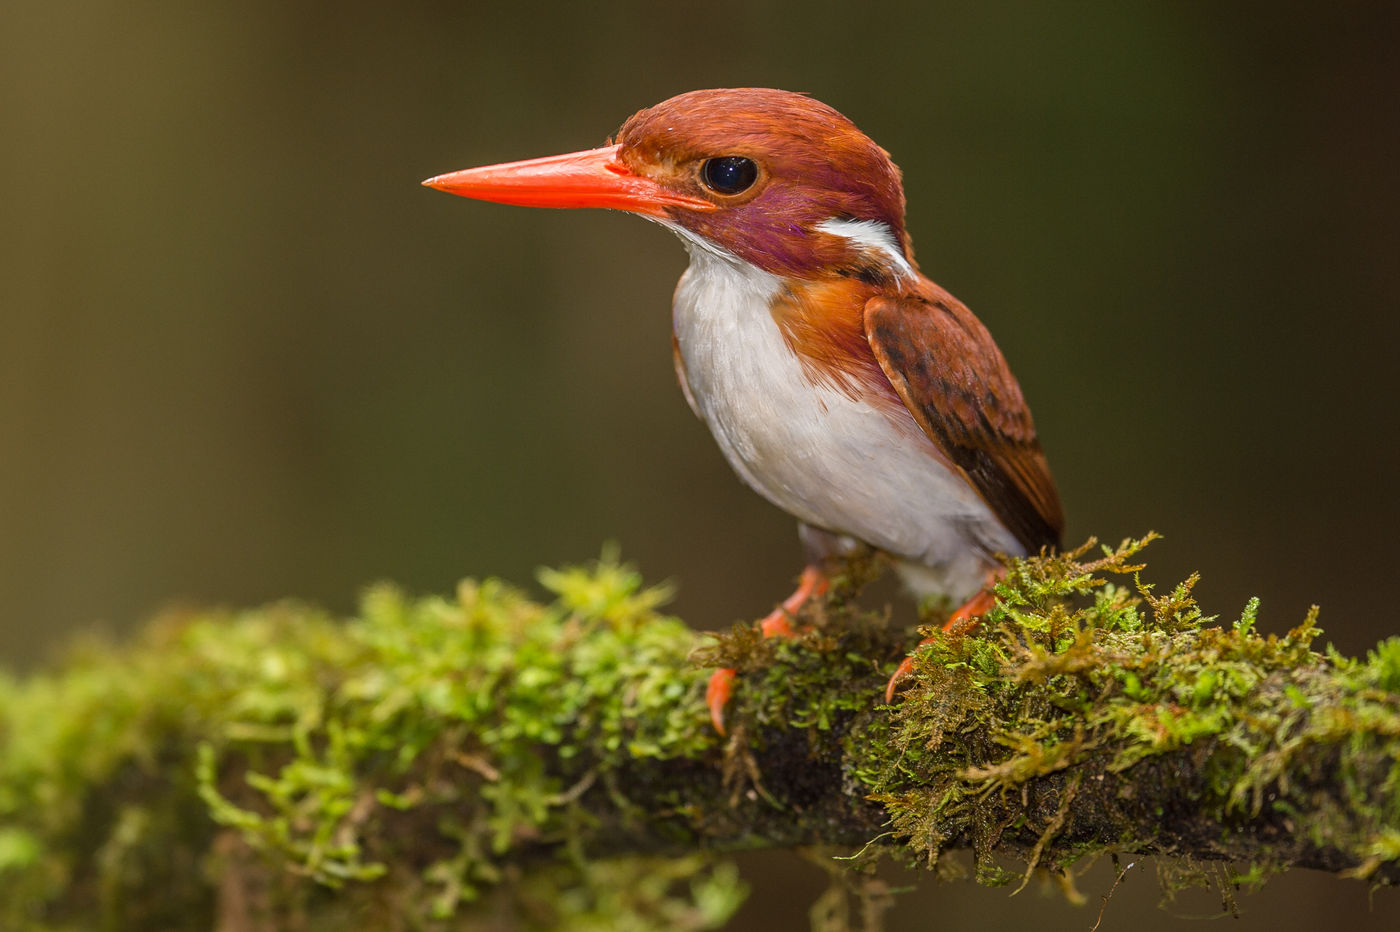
(830, 451)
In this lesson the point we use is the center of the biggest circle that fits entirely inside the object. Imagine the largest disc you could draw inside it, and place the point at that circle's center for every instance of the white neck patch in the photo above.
(872, 236)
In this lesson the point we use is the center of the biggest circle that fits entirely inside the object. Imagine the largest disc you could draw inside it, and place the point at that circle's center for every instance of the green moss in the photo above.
(431, 755)
(309, 730)
(1075, 672)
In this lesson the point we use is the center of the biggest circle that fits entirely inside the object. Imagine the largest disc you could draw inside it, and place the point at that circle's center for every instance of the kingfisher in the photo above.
(840, 383)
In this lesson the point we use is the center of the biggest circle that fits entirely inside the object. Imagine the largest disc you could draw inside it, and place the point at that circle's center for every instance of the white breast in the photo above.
(835, 462)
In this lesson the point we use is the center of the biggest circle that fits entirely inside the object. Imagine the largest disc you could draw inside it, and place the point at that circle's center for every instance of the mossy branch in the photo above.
(430, 755)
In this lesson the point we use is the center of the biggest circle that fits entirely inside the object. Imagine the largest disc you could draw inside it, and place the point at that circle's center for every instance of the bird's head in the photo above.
(774, 178)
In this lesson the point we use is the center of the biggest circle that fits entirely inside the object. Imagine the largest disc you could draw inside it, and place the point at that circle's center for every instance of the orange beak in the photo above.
(595, 178)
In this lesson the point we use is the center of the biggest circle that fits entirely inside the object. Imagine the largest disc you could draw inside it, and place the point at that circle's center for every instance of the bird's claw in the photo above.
(963, 620)
(906, 666)
(967, 614)
(778, 624)
(717, 695)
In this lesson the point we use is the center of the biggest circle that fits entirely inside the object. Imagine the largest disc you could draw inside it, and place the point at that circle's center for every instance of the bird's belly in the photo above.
(846, 466)
(842, 463)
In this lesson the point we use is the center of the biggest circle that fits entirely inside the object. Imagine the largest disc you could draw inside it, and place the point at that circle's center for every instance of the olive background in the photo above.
(243, 355)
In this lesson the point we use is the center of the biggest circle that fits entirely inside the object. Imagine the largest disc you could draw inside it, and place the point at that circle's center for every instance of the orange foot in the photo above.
(960, 622)
(778, 624)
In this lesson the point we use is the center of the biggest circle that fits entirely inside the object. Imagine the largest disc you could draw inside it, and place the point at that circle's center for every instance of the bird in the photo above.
(839, 382)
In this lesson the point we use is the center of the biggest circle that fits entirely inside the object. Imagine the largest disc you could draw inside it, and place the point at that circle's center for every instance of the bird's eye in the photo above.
(729, 174)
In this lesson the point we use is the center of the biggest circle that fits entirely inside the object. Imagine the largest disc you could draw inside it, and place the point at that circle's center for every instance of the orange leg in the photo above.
(778, 624)
(960, 622)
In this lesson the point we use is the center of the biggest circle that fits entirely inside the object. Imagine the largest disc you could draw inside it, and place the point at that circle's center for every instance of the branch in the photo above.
(428, 756)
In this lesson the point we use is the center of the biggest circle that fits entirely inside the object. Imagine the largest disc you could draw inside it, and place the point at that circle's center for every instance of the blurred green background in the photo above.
(244, 355)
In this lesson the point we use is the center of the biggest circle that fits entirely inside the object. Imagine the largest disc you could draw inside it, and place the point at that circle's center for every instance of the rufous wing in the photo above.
(949, 373)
